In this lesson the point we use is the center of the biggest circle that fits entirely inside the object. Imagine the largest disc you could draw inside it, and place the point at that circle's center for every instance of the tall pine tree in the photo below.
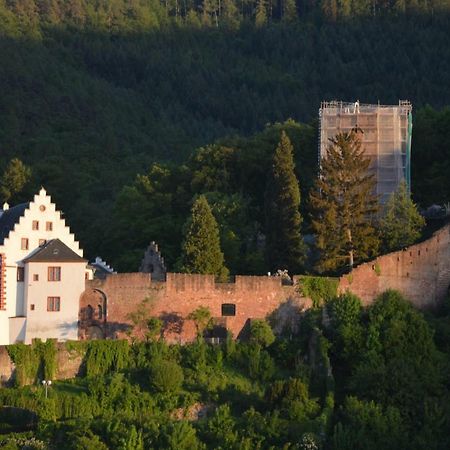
(344, 206)
(201, 248)
(285, 248)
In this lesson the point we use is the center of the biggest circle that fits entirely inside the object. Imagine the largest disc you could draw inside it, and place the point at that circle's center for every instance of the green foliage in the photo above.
(319, 289)
(166, 376)
(344, 206)
(201, 247)
(261, 333)
(14, 179)
(367, 426)
(33, 362)
(398, 357)
(201, 316)
(180, 436)
(345, 314)
(105, 356)
(285, 248)
(401, 224)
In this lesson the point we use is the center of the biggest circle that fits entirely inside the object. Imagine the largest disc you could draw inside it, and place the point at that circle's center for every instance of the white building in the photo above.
(42, 273)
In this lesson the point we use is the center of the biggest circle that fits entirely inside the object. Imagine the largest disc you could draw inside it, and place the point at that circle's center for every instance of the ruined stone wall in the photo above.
(420, 272)
(68, 365)
(173, 300)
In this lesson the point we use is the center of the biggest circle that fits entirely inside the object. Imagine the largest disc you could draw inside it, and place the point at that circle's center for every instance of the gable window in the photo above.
(53, 303)
(54, 274)
(24, 244)
(49, 226)
(228, 309)
(20, 273)
(35, 225)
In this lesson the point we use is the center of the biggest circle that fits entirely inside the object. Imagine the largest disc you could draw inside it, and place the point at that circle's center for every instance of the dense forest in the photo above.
(363, 379)
(94, 93)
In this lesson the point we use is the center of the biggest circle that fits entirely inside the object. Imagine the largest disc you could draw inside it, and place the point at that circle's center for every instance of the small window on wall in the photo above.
(54, 274)
(24, 244)
(53, 303)
(35, 225)
(35, 277)
(228, 309)
(20, 273)
(49, 226)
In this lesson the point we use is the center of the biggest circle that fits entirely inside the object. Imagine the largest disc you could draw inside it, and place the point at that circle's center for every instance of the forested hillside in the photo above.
(94, 92)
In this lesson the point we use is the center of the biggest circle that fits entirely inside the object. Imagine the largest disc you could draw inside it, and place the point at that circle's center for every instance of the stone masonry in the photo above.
(421, 273)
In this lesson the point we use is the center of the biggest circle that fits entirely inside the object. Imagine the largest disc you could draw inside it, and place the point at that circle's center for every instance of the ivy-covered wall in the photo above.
(22, 364)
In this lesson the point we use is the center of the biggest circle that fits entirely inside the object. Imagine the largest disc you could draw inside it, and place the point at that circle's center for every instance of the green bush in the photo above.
(166, 376)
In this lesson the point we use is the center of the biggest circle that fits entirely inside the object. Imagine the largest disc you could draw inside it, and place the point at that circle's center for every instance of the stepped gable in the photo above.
(153, 263)
(8, 219)
(54, 251)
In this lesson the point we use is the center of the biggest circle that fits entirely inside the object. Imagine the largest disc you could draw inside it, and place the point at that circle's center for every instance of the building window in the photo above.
(35, 225)
(53, 303)
(20, 273)
(54, 274)
(228, 309)
(49, 226)
(42, 242)
(32, 307)
(24, 244)
(35, 277)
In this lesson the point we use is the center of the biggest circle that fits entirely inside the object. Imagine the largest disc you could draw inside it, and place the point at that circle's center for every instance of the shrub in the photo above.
(166, 376)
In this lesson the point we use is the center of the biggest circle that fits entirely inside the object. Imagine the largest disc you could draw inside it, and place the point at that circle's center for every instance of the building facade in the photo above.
(386, 138)
(42, 273)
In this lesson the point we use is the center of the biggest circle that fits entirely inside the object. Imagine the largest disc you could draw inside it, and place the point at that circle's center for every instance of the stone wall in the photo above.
(173, 300)
(68, 365)
(420, 272)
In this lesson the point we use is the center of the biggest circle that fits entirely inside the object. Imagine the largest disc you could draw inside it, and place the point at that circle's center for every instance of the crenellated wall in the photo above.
(173, 300)
(420, 272)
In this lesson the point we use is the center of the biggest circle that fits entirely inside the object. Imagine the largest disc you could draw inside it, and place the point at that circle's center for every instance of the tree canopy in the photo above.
(284, 243)
(344, 205)
(201, 251)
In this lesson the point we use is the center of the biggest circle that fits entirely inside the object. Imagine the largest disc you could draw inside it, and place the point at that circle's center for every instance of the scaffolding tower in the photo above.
(386, 138)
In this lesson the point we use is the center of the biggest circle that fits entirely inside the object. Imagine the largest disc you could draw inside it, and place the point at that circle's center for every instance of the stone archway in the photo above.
(93, 313)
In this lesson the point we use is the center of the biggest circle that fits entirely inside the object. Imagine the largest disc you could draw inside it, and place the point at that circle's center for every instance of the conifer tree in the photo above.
(344, 206)
(201, 247)
(402, 223)
(285, 247)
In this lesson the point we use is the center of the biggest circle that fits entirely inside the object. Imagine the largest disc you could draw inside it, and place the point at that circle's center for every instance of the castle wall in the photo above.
(173, 300)
(420, 272)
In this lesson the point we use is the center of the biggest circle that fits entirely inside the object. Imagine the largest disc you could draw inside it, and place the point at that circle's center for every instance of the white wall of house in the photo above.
(43, 211)
(62, 324)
